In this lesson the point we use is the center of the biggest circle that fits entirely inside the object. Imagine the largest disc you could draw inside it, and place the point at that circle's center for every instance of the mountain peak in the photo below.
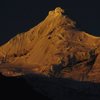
(58, 11)
(53, 47)
(57, 18)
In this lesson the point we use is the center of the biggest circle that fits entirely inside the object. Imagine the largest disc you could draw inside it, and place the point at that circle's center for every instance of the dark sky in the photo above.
(20, 15)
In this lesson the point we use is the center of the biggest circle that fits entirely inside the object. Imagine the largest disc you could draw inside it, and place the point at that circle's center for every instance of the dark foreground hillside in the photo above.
(18, 89)
(33, 87)
(64, 89)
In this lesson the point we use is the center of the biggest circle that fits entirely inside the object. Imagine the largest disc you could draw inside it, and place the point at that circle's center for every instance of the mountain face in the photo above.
(53, 48)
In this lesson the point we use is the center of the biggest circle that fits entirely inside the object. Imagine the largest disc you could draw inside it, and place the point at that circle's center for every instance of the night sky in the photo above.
(17, 16)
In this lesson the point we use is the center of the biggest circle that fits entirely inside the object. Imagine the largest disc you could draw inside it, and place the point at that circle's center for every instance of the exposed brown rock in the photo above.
(53, 48)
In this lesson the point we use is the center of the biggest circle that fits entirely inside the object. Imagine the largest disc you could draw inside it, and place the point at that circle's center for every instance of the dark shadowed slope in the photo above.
(18, 88)
(64, 89)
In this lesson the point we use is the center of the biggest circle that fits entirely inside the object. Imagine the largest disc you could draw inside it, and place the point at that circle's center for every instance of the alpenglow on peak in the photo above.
(53, 48)
(57, 11)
